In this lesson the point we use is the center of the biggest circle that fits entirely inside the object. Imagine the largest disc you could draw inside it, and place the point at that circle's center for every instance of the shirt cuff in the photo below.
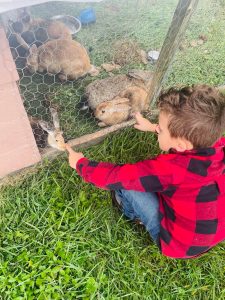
(80, 163)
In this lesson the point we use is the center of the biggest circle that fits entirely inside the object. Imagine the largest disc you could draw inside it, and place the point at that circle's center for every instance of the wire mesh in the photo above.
(200, 57)
(121, 39)
(122, 35)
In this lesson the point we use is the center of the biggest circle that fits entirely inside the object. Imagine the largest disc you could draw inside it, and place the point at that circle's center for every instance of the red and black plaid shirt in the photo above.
(191, 190)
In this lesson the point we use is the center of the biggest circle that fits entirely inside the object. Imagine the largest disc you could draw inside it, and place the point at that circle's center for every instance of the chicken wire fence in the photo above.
(114, 55)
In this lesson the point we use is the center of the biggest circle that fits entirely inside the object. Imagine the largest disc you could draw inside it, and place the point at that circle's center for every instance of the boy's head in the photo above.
(190, 117)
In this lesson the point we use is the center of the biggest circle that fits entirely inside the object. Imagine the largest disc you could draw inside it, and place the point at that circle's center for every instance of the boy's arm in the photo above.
(151, 175)
(144, 176)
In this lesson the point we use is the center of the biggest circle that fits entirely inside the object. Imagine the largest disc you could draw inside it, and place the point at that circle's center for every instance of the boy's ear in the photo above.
(183, 145)
(179, 148)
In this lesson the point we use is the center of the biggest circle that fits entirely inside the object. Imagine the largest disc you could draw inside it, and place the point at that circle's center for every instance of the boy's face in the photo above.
(165, 140)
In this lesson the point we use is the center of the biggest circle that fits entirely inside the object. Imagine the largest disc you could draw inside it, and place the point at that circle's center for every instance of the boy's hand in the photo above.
(73, 156)
(143, 124)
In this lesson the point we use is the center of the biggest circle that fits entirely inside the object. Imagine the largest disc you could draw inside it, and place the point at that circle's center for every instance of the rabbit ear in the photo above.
(21, 41)
(140, 74)
(118, 101)
(120, 108)
(25, 16)
(33, 49)
(46, 126)
(135, 74)
(55, 118)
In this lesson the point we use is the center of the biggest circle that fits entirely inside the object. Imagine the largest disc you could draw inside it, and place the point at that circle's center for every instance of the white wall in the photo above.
(6, 5)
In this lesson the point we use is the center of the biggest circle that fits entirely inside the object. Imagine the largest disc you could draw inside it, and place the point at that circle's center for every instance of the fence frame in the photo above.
(178, 26)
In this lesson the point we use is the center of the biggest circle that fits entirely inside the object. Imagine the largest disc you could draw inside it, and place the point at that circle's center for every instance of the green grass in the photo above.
(205, 63)
(60, 237)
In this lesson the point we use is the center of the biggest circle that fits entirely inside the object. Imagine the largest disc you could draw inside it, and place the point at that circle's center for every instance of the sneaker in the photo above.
(138, 222)
(115, 201)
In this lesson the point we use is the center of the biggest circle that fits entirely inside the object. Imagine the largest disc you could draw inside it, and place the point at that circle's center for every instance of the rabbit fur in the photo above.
(108, 88)
(39, 30)
(113, 112)
(137, 97)
(55, 135)
(40, 135)
(26, 31)
(66, 57)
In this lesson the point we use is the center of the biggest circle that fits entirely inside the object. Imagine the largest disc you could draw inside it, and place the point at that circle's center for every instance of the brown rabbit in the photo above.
(113, 112)
(54, 29)
(137, 96)
(66, 57)
(119, 109)
(55, 135)
(43, 30)
(46, 133)
(40, 134)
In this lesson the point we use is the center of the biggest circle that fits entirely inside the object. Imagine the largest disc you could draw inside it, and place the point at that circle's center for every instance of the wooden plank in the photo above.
(18, 147)
(179, 24)
(8, 72)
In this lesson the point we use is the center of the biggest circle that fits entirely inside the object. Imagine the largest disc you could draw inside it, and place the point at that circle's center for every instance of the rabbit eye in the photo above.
(103, 111)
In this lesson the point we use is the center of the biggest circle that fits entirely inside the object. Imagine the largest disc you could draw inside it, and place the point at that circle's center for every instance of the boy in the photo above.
(178, 196)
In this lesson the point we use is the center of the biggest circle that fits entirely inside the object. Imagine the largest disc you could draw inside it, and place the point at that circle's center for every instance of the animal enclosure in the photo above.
(120, 57)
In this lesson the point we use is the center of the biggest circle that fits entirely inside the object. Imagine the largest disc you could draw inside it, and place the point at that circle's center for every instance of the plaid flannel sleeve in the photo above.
(152, 175)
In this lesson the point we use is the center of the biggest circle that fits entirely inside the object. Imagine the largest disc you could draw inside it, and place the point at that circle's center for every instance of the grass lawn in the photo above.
(61, 238)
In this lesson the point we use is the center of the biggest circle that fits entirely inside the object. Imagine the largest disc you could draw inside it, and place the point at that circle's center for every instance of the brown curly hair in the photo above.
(196, 113)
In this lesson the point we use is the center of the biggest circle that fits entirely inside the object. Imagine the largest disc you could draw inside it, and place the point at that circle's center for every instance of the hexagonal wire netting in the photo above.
(56, 71)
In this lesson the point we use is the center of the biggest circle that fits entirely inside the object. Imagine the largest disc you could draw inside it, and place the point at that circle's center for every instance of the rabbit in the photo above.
(40, 135)
(55, 138)
(113, 112)
(119, 109)
(27, 31)
(108, 88)
(66, 57)
(43, 30)
(138, 98)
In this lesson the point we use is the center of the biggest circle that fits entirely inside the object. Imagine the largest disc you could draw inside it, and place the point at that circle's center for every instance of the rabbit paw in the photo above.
(102, 124)
(62, 77)
(94, 71)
